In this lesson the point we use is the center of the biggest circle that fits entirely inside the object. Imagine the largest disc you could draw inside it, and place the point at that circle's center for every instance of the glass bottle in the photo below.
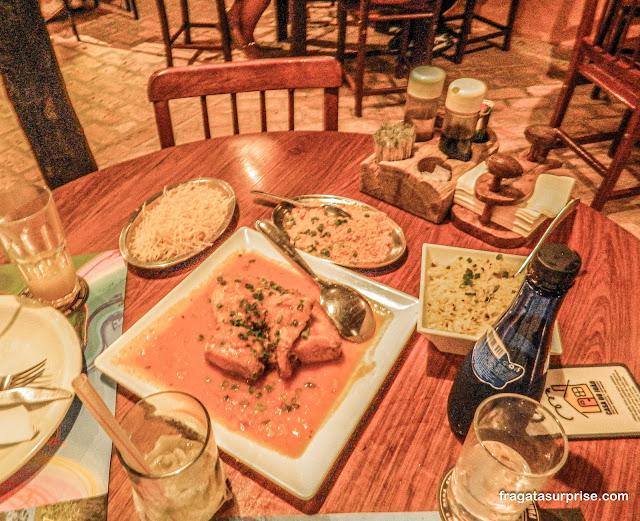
(423, 94)
(462, 106)
(512, 355)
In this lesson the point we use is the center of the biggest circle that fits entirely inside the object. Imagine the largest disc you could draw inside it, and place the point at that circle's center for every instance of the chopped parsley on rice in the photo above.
(467, 295)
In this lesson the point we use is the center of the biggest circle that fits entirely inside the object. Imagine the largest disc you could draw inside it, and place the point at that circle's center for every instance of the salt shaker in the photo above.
(423, 94)
(462, 106)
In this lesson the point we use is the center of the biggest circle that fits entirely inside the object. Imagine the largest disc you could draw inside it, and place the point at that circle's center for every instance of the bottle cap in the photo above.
(555, 267)
(426, 82)
(465, 95)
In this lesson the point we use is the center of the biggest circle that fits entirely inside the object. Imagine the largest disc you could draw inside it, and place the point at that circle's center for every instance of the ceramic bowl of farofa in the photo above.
(464, 291)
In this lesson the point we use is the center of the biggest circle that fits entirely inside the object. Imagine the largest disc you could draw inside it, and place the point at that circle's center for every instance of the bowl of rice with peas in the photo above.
(177, 223)
(463, 291)
(368, 238)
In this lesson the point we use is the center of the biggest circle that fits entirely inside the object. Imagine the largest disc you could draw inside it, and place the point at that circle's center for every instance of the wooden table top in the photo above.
(400, 451)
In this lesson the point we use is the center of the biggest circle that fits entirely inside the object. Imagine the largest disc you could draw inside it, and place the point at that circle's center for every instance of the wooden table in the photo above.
(401, 450)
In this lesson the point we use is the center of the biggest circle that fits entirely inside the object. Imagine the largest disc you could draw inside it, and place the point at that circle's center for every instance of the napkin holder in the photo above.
(413, 184)
(509, 181)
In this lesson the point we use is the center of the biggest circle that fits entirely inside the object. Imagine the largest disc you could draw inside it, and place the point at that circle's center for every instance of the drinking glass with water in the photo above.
(514, 447)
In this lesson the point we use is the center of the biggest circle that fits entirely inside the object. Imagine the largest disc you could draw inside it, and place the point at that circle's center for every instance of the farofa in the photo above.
(363, 238)
(466, 296)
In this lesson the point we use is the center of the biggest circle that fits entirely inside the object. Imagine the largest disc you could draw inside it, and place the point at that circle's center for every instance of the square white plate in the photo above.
(456, 343)
(300, 476)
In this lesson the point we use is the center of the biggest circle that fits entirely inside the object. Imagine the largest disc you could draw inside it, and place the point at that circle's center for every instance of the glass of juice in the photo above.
(514, 447)
(32, 238)
(185, 478)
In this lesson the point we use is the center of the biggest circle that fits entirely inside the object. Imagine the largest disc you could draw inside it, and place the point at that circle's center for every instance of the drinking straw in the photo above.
(99, 410)
(93, 401)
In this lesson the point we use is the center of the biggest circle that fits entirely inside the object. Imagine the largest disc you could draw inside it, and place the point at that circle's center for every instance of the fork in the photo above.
(22, 378)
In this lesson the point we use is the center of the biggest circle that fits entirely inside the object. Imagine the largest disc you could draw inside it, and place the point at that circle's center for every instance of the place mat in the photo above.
(594, 401)
(74, 464)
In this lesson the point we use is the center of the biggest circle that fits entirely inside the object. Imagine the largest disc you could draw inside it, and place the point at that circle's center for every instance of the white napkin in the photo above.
(16, 425)
(550, 194)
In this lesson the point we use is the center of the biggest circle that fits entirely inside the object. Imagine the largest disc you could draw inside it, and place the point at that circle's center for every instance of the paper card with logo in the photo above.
(594, 401)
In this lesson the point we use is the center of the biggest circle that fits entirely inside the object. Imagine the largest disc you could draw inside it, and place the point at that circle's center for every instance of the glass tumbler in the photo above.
(514, 447)
(32, 238)
(172, 430)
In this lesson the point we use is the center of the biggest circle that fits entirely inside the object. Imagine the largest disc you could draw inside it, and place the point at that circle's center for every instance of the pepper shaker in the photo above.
(462, 106)
(423, 93)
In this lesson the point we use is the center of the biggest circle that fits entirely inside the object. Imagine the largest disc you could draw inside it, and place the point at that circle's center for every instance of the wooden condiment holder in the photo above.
(408, 185)
(509, 181)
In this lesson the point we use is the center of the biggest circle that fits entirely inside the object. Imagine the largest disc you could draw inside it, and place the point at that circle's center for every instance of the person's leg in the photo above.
(235, 23)
(250, 15)
(443, 38)
(243, 17)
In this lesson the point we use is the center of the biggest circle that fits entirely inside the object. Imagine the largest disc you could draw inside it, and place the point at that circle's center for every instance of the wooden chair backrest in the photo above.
(606, 53)
(244, 76)
(610, 43)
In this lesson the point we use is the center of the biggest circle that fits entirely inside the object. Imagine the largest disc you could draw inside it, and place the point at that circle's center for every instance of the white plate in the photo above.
(454, 342)
(30, 332)
(300, 476)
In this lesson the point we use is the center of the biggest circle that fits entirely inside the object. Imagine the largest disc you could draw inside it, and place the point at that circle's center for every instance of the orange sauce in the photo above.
(280, 414)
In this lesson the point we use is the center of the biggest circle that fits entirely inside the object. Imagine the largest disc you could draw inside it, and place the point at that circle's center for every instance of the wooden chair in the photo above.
(423, 13)
(170, 39)
(465, 43)
(244, 76)
(52, 15)
(129, 5)
(615, 69)
(610, 29)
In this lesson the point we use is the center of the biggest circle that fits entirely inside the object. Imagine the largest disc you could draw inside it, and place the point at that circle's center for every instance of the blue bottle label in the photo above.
(491, 363)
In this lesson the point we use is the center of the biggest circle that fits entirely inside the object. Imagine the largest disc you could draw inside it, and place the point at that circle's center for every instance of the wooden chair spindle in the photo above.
(234, 113)
(291, 110)
(263, 111)
(205, 117)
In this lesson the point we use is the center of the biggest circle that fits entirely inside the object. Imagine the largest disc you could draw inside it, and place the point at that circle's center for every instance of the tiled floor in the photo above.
(106, 76)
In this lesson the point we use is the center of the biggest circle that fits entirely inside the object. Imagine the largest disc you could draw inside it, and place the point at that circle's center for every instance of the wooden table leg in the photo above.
(298, 27)
(282, 19)
(465, 30)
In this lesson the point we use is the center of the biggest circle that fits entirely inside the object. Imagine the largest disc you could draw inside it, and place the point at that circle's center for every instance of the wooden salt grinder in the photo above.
(490, 190)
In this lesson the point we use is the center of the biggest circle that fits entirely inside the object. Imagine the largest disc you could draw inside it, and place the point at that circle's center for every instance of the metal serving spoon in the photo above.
(348, 310)
(562, 214)
(331, 209)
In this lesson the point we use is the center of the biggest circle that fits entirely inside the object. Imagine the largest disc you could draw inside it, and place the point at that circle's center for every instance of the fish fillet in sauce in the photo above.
(278, 413)
(259, 324)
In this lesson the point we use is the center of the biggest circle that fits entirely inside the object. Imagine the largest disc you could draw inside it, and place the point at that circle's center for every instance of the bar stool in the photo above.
(424, 13)
(129, 5)
(463, 34)
(132, 7)
(170, 39)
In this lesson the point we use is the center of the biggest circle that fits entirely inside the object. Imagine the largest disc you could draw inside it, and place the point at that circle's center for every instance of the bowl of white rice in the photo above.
(463, 291)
